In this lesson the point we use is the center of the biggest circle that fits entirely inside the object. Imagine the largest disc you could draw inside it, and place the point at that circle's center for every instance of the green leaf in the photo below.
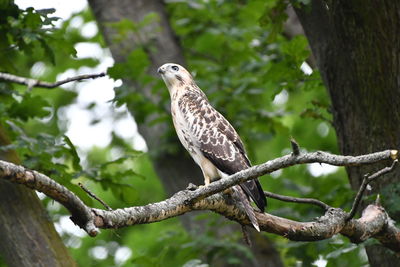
(274, 18)
(211, 43)
(45, 11)
(124, 192)
(296, 48)
(120, 160)
(150, 18)
(30, 107)
(118, 71)
(32, 19)
(73, 152)
(129, 194)
(48, 51)
(137, 62)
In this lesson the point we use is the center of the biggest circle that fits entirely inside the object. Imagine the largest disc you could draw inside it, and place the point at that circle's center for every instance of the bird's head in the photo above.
(174, 75)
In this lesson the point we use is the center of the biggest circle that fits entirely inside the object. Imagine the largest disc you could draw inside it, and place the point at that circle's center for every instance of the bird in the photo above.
(209, 138)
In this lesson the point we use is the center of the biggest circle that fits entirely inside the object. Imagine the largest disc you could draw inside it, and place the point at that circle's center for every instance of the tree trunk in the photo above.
(177, 170)
(357, 48)
(28, 237)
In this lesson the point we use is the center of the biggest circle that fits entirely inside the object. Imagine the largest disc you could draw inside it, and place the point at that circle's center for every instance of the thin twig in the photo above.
(367, 179)
(295, 147)
(378, 200)
(298, 200)
(95, 197)
(37, 83)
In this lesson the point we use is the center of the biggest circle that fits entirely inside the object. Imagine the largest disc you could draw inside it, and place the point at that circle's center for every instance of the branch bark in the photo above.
(373, 223)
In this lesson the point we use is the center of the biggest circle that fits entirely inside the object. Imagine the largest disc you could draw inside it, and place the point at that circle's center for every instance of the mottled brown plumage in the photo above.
(209, 138)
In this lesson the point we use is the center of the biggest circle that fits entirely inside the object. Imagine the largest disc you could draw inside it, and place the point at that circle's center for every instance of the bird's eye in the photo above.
(175, 68)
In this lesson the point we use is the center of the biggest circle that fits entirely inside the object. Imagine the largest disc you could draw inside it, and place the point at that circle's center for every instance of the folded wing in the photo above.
(219, 142)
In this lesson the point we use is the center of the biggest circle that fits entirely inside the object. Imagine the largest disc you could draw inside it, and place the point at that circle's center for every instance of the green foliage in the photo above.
(135, 68)
(391, 197)
(28, 108)
(26, 30)
(274, 17)
(251, 74)
(2, 263)
(114, 175)
(126, 27)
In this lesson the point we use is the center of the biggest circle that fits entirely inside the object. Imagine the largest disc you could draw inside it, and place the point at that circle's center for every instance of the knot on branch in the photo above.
(334, 216)
(373, 221)
(191, 187)
(295, 147)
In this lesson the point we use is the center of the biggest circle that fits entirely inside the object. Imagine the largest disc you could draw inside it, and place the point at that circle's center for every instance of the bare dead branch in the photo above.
(298, 200)
(210, 198)
(37, 83)
(90, 193)
(367, 179)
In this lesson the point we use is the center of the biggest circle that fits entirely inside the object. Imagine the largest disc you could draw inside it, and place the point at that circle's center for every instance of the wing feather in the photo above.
(218, 141)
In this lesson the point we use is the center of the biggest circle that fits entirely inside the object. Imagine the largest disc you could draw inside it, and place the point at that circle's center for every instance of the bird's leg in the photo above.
(207, 179)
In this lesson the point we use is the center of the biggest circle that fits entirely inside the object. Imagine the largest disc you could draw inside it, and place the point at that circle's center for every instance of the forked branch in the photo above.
(298, 200)
(367, 179)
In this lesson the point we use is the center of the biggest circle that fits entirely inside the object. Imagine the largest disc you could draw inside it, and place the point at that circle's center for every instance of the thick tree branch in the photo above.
(81, 214)
(373, 223)
(37, 83)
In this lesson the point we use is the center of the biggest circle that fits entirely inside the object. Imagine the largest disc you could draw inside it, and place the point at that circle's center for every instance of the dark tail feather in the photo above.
(254, 190)
(247, 207)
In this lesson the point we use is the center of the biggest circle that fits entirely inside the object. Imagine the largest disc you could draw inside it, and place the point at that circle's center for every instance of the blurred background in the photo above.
(115, 135)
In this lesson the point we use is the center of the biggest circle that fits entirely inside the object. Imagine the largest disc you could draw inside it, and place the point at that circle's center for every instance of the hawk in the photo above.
(209, 138)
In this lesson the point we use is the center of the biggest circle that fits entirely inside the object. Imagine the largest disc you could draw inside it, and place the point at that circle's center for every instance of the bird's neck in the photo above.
(176, 90)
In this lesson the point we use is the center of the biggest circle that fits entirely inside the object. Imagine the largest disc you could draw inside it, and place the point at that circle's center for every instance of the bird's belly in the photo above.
(210, 172)
(184, 134)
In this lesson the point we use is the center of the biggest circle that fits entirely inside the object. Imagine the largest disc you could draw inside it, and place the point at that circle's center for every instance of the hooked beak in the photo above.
(161, 70)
